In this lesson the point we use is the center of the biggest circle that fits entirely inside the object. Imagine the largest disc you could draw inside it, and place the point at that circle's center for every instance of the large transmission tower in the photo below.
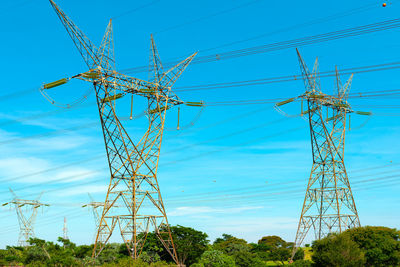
(26, 212)
(133, 166)
(329, 204)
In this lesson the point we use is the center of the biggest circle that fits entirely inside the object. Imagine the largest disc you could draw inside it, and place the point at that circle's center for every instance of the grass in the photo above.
(276, 263)
(307, 253)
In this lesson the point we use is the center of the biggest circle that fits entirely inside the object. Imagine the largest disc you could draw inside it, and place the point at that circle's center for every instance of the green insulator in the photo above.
(55, 84)
(285, 102)
(195, 104)
(159, 109)
(112, 97)
(91, 75)
(364, 113)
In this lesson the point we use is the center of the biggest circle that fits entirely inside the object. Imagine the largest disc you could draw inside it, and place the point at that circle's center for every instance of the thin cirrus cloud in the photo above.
(12, 143)
(25, 166)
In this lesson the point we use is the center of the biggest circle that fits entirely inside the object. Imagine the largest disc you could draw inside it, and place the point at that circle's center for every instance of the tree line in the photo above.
(363, 246)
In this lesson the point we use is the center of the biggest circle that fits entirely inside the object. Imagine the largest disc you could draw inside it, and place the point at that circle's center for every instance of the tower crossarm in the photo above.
(122, 84)
(329, 101)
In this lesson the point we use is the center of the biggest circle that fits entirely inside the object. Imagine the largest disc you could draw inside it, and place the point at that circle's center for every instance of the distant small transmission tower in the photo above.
(133, 165)
(26, 212)
(65, 229)
(328, 205)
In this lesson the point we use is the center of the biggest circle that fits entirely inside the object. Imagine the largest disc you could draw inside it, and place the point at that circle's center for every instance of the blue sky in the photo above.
(240, 169)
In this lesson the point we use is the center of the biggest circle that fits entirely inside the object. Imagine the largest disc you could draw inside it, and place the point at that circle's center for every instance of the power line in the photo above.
(197, 198)
(308, 40)
(207, 16)
(244, 192)
(269, 101)
(289, 78)
(130, 11)
(167, 163)
(69, 129)
(226, 135)
(254, 82)
(98, 157)
(296, 26)
(15, 178)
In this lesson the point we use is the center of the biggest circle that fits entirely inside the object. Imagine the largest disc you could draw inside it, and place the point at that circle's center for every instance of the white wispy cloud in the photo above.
(20, 166)
(75, 174)
(24, 167)
(65, 142)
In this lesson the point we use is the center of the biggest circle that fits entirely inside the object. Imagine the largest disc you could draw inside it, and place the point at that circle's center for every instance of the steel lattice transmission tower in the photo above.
(26, 212)
(133, 165)
(65, 229)
(97, 210)
(329, 204)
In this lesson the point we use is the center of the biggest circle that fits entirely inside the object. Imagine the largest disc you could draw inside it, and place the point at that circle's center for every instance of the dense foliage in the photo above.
(381, 245)
(337, 250)
(189, 244)
(364, 246)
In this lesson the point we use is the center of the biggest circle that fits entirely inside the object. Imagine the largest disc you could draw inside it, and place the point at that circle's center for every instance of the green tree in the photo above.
(274, 248)
(247, 259)
(299, 255)
(381, 245)
(14, 255)
(215, 258)
(337, 250)
(223, 238)
(273, 241)
(37, 251)
(149, 257)
(231, 245)
(84, 251)
(126, 262)
(189, 244)
(110, 254)
(280, 254)
(262, 250)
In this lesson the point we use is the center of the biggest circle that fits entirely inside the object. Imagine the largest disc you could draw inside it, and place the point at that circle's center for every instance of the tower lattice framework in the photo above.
(97, 211)
(27, 212)
(328, 205)
(65, 229)
(133, 201)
